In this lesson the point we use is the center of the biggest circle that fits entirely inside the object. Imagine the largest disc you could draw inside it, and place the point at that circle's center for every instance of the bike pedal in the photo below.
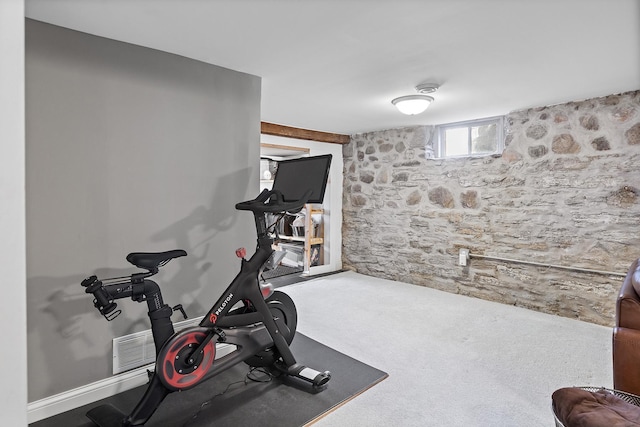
(316, 378)
(322, 379)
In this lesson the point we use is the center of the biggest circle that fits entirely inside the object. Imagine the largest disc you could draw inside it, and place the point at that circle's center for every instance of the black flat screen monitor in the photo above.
(297, 176)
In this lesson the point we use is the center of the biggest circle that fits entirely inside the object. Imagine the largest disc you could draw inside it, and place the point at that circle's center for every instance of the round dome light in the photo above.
(412, 104)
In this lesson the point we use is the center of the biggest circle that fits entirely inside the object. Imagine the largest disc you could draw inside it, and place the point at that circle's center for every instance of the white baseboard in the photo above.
(71, 399)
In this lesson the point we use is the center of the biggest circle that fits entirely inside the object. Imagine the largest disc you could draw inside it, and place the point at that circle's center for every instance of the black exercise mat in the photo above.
(230, 400)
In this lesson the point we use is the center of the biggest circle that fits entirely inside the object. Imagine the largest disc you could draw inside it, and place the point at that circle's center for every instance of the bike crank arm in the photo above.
(194, 355)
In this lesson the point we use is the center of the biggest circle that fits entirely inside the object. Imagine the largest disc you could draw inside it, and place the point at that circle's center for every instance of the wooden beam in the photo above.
(311, 135)
(284, 147)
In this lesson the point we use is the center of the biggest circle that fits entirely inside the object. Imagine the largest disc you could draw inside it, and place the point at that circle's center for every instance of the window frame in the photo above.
(440, 149)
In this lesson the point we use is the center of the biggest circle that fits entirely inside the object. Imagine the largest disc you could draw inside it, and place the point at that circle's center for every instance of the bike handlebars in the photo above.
(102, 301)
(272, 201)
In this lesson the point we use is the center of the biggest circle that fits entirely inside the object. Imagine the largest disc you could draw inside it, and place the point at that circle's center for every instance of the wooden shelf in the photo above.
(292, 238)
(310, 240)
(314, 237)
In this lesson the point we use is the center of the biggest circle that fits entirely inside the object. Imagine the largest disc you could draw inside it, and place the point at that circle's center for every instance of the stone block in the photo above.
(536, 131)
(367, 177)
(633, 134)
(624, 197)
(589, 122)
(442, 197)
(469, 199)
(565, 144)
(601, 144)
(537, 151)
(414, 198)
(400, 177)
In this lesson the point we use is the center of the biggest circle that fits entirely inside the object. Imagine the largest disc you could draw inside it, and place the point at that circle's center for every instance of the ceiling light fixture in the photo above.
(412, 104)
(416, 104)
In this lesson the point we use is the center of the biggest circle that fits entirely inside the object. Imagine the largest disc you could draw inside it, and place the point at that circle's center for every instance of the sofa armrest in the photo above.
(626, 360)
(628, 301)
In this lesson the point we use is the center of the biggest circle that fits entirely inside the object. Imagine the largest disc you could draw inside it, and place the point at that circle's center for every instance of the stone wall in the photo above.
(565, 192)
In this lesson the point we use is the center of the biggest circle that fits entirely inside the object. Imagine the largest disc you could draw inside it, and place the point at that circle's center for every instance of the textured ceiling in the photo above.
(335, 65)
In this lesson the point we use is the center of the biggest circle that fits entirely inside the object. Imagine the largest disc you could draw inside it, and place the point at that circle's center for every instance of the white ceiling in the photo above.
(335, 65)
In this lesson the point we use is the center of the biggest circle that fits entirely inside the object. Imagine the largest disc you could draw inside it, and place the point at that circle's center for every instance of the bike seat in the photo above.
(153, 260)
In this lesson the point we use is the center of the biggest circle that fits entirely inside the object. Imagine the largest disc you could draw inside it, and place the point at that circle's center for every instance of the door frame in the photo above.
(333, 195)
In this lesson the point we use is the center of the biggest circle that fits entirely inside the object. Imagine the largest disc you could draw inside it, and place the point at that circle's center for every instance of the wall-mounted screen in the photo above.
(296, 176)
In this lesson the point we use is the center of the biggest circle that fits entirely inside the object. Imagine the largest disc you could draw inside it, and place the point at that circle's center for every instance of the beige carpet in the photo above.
(452, 360)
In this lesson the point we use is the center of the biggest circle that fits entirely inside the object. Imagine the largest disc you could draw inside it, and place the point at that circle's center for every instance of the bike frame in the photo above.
(251, 332)
(246, 287)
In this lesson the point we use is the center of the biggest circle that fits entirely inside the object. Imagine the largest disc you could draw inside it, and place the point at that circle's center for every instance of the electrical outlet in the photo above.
(463, 257)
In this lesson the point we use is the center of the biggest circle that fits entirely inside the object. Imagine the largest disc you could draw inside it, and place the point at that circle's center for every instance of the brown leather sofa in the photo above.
(626, 334)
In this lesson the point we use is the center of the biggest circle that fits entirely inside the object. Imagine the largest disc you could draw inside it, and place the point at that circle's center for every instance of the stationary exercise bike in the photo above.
(260, 322)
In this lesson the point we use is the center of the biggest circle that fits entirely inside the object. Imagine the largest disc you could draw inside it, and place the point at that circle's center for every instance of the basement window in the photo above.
(483, 137)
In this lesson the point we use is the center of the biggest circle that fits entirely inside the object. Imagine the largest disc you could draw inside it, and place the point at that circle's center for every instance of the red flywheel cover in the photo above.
(173, 366)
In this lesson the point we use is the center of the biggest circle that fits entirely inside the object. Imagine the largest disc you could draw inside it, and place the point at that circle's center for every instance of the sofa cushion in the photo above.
(576, 407)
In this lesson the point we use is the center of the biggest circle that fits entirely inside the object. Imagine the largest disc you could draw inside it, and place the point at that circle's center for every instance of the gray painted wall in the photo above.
(127, 149)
